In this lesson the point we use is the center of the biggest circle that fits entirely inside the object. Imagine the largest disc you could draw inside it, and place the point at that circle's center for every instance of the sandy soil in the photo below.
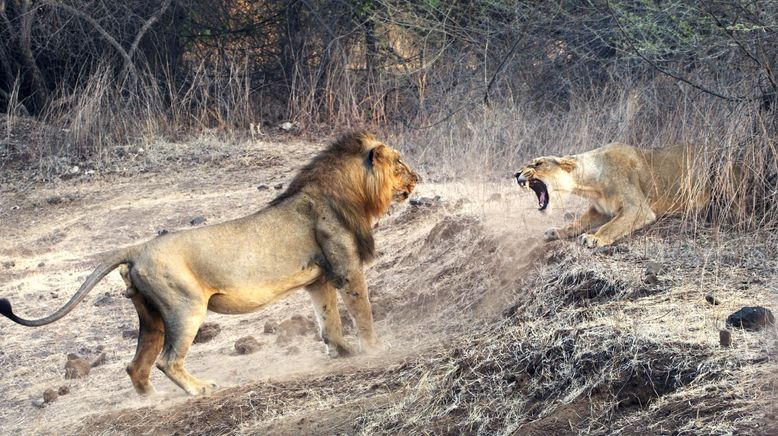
(53, 235)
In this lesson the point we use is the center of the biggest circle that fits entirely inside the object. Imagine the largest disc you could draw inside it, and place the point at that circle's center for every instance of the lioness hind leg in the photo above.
(325, 304)
(150, 339)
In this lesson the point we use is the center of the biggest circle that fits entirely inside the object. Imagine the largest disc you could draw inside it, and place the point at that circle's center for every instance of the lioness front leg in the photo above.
(590, 219)
(623, 224)
(325, 304)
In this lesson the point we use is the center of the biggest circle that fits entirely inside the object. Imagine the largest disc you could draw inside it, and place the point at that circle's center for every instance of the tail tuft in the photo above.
(5, 308)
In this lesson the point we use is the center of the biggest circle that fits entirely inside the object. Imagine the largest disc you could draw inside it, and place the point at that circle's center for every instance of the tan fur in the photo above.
(628, 188)
(316, 235)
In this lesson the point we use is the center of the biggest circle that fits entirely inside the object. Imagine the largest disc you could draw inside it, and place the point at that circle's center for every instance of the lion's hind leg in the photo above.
(325, 304)
(182, 305)
(182, 320)
(150, 340)
(150, 337)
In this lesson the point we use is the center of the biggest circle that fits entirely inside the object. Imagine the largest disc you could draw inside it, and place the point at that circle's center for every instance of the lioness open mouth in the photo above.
(541, 191)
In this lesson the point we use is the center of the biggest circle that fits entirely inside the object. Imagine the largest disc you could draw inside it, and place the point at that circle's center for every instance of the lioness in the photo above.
(628, 187)
(317, 235)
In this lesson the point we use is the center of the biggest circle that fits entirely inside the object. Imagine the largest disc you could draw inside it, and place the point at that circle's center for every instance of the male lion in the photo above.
(628, 187)
(317, 235)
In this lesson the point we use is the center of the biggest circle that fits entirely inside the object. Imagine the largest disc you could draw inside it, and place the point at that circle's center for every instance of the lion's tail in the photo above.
(117, 258)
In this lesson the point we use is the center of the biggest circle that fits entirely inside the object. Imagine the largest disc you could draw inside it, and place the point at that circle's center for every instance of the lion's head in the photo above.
(545, 175)
(360, 177)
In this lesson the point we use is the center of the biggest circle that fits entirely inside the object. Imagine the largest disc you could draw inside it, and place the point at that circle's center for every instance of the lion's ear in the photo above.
(378, 154)
(567, 163)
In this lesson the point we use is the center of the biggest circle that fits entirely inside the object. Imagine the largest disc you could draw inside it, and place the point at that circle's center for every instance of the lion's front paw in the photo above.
(590, 241)
(373, 347)
(551, 235)
(340, 349)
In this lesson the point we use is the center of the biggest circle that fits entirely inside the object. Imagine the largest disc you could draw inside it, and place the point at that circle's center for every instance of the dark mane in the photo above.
(347, 144)
(322, 172)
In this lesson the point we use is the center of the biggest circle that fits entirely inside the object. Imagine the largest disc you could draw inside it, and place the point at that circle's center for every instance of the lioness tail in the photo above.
(117, 258)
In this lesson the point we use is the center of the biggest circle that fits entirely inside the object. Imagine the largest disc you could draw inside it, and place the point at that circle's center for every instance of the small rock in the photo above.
(286, 126)
(9, 264)
(75, 169)
(292, 350)
(278, 187)
(247, 345)
(41, 265)
(654, 268)
(424, 201)
(50, 395)
(263, 187)
(99, 360)
(609, 250)
(650, 279)
(296, 326)
(725, 338)
(710, 298)
(161, 232)
(63, 390)
(38, 402)
(751, 318)
(196, 221)
(130, 334)
(77, 368)
(271, 327)
(105, 300)
(207, 332)
(283, 339)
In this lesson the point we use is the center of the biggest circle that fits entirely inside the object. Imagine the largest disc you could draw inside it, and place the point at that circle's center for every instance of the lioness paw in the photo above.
(590, 241)
(551, 235)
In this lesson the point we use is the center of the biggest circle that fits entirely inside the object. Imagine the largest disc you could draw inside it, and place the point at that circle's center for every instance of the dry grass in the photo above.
(582, 344)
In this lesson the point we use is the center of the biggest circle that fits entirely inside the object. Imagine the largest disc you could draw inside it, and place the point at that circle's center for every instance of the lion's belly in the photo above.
(249, 297)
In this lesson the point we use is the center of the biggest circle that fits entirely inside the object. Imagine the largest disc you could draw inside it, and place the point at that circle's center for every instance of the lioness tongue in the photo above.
(542, 199)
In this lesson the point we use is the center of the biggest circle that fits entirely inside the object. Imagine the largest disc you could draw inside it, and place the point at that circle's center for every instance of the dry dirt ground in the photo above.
(487, 329)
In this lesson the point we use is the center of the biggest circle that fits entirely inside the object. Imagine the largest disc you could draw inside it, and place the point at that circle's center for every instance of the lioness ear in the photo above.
(567, 163)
